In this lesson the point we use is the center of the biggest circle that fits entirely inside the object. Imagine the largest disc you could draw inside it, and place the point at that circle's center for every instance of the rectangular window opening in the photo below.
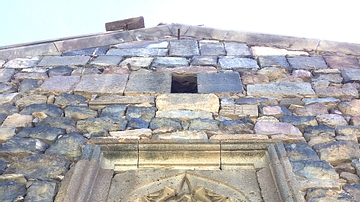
(184, 83)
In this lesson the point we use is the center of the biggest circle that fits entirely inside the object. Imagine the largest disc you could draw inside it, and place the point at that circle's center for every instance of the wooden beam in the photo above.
(126, 24)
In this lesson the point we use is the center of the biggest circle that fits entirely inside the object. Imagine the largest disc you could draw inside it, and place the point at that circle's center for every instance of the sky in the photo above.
(25, 21)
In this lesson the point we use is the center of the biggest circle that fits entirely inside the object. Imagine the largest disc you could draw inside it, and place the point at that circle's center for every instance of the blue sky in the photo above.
(34, 20)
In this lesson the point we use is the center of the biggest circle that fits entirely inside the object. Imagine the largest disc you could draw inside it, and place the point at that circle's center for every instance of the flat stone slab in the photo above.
(6, 74)
(21, 63)
(9, 98)
(107, 60)
(138, 52)
(237, 49)
(273, 61)
(184, 48)
(169, 62)
(285, 89)
(183, 114)
(238, 63)
(219, 83)
(137, 62)
(350, 75)
(201, 102)
(148, 83)
(308, 63)
(60, 84)
(101, 84)
(64, 60)
(208, 47)
(204, 61)
(339, 62)
(104, 101)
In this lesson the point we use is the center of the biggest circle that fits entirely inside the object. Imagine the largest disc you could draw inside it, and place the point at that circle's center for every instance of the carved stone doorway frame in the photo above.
(91, 178)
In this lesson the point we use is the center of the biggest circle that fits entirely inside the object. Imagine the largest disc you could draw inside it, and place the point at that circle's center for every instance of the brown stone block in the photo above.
(104, 101)
(60, 84)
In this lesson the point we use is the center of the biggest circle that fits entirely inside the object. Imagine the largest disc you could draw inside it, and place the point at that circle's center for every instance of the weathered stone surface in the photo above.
(101, 125)
(313, 131)
(315, 174)
(69, 145)
(273, 73)
(161, 62)
(145, 113)
(116, 70)
(333, 78)
(60, 71)
(6, 74)
(114, 110)
(355, 121)
(273, 128)
(300, 151)
(3, 165)
(4, 88)
(341, 93)
(137, 123)
(188, 70)
(18, 120)
(103, 84)
(273, 61)
(225, 82)
(202, 102)
(267, 119)
(300, 122)
(45, 134)
(32, 75)
(184, 114)
(183, 48)
(136, 63)
(8, 109)
(338, 152)
(311, 110)
(307, 63)
(18, 147)
(234, 111)
(325, 194)
(64, 60)
(168, 123)
(351, 75)
(48, 109)
(6, 133)
(238, 63)
(353, 190)
(305, 75)
(138, 52)
(143, 133)
(254, 79)
(29, 100)
(20, 63)
(270, 51)
(182, 135)
(80, 71)
(41, 191)
(284, 89)
(345, 167)
(79, 112)
(351, 108)
(204, 124)
(210, 47)
(148, 83)
(107, 60)
(329, 102)
(66, 99)
(9, 98)
(331, 120)
(204, 61)
(65, 123)
(86, 51)
(287, 102)
(45, 167)
(12, 191)
(104, 101)
(252, 101)
(29, 84)
(240, 126)
(237, 49)
(340, 62)
(350, 177)
(60, 84)
(274, 110)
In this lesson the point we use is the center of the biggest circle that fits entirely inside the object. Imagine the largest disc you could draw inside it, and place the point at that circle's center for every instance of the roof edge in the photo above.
(61, 45)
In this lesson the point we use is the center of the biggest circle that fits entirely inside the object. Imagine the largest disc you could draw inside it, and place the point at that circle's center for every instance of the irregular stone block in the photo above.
(137, 123)
(136, 63)
(6, 133)
(274, 110)
(66, 99)
(273, 61)
(204, 61)
(30, 99)
(204, 124)
(350, 178)
(79, 112)
(284, 89)
(183, 114)
(238, 126)
(148, 83)
(340, 62)
(9, 98)
(353, 190)
(273, 128)
(168, 123)
(107, 60)
(17, 147)
(333, 78)
(7, 88)
(41, 191)
(331, 120)
(138, 52)
(12, 190)
(311, 110)
(98, 51)
(209, 47)
(238, 63)
(114, 110)
(338, 152)
(21, 63)
(81, 71)
(169, 62)
(6, 74)
(145, 113)
(308, 63)
(237, 49)
(60, 71)
(341, 93)
(252, 101)
(329, 102)
(101, 125)
(239, 111)
(348, 130)
(29, 85)
(351, 75)
(300, 151)
(351, 108)
(45, 134)
(18, 120)
(183, 48)
(104, 101)
(60, 84)
(219, 83)
(202, 102)
(105, 84)
(64, 60)
(254, 79)
(69, 145)
(300, 122)
(48, 109)
(65, 123)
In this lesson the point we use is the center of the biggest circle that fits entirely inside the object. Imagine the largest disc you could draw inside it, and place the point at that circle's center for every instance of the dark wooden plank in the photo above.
(126, 24)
